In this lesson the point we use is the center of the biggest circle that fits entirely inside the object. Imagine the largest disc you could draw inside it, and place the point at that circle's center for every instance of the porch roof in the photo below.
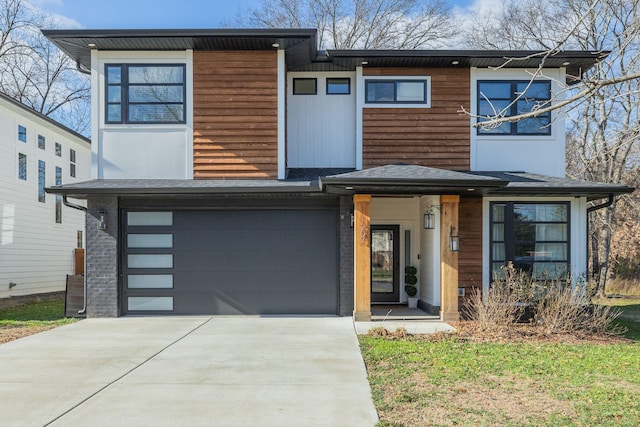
(410, 179)
(530, 184)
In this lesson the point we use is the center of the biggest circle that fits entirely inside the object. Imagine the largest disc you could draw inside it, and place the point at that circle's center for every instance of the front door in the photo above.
(385, 254)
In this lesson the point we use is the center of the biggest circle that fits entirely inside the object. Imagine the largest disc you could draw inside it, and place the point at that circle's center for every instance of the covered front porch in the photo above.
(414, 216)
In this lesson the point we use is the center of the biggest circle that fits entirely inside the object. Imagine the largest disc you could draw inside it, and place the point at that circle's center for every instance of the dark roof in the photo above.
(300, 45)
(43, 117)
(576, 62)
(410, 179)
(523, 183)
(141, 187)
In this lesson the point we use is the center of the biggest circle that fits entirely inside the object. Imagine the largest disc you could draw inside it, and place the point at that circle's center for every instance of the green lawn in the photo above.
(37, 316)
(455, 382)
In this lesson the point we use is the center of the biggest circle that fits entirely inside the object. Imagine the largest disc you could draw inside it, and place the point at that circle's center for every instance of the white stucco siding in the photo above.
(36, 253)
(321, 128)
(543, 154)
(130, 151)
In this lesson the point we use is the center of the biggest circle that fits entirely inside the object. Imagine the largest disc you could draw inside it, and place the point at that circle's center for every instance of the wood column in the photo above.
(448, 259)
(362, 257)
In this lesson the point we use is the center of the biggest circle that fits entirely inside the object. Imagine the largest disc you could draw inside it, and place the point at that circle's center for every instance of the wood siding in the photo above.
(437, 137)
(235, 115)
(470, 255)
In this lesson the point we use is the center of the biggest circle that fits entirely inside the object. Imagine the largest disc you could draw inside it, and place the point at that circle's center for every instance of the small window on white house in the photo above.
(305, 86)
(22, 133)
(72, 163)
(41, 181)
(22, 166)
(338, 86)
(397, 91)
(58, 197)
(58, 149)
(41, 142)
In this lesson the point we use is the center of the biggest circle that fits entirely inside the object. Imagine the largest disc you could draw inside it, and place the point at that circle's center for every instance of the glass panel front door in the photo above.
(385, 244)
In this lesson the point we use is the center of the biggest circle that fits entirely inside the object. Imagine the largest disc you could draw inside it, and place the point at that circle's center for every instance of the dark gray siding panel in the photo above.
(254, 262)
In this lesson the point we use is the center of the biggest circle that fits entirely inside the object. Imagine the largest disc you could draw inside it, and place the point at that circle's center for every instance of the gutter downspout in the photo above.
(84, 279)
(590, 209)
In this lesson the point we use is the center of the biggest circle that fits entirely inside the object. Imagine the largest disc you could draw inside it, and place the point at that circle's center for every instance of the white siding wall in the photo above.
(537, 154)
(141, 151)
(321, 129)
(36, 253)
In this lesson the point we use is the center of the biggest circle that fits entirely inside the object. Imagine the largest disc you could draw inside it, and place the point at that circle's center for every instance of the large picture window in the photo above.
(533, 236)
(143, 93)
(510, 98)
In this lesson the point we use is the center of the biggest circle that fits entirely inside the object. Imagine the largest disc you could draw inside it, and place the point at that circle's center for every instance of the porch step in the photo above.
(74, 301)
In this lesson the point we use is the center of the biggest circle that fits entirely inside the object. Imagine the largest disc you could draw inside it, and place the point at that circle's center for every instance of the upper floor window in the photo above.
(72, 163)
(338, 86)
(137, 93)
(22, 166)
(397, 91)
(41, 142)
(58, 149)
(41, 181)
(58, 197)
(305, 86)
(22, 133)
(510, 98)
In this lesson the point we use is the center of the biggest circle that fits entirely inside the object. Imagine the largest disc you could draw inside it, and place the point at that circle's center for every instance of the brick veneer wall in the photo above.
(346, 257)
(102, 258)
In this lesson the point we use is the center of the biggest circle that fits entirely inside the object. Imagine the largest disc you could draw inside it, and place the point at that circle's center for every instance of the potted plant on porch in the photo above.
(410, 280)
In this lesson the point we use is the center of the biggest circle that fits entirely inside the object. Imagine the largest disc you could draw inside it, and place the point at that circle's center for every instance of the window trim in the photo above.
(327, 83)
(124, 94)
(509, 231)
(315, 84)
(395, 80)
(545, 131)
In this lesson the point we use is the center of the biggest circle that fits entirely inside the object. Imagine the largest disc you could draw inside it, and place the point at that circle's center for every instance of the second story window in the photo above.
(305, 87)
(137, 93)
(397, 91)
(22, 166)
(22, 133)
(41, 181)
(510, 98)
(72, 163)
(58, 149)
(41, 142)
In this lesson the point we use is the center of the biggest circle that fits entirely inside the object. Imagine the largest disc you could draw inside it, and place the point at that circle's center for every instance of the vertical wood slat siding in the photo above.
(235, 115)
(470, 255)
(435, 137)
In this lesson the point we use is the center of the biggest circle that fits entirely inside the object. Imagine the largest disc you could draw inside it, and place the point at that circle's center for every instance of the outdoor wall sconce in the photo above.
(102, 218)
(455, 240)
(429, 220)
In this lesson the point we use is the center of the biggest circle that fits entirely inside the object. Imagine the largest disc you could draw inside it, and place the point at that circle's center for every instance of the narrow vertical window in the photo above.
(72, 163)
(22, 133)
(41, 181)
(41, 142)
(58, 149)
(58, 197)
(22, 166)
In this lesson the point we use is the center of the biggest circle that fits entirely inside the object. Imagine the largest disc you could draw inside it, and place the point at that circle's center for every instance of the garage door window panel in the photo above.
(150, 241)
(150, 281)
(150, 303)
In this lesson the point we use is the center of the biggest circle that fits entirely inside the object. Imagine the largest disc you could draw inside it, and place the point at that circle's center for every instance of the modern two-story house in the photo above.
(39, 239)
(246, 172)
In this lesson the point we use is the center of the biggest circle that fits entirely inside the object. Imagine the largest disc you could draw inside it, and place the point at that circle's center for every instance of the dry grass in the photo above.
(624, 287)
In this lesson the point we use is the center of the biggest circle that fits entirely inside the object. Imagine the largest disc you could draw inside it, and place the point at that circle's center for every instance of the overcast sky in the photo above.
(102, 14)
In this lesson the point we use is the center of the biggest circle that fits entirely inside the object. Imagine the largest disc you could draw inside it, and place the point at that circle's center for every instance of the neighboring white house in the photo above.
(38, 234)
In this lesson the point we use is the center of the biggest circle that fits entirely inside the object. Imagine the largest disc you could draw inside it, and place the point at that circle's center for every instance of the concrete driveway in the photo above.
(187, 371)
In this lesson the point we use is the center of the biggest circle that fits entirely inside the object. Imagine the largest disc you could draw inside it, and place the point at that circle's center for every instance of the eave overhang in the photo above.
(181, 187)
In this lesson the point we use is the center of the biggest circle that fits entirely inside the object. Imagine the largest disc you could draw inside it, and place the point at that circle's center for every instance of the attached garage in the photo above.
(230, 261)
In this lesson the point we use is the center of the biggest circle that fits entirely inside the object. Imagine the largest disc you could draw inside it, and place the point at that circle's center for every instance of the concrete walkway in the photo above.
(188, 371)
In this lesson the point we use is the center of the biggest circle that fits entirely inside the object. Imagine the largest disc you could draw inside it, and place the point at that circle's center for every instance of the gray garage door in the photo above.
(231, 262)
